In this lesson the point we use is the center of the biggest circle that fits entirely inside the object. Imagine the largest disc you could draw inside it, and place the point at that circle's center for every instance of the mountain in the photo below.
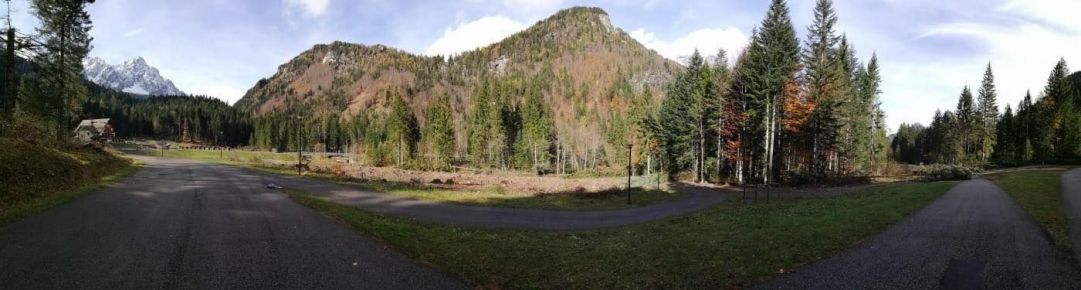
(133, 76)
(588, 71)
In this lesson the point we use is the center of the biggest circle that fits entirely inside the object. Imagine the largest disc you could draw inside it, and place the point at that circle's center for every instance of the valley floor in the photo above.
(191, 224)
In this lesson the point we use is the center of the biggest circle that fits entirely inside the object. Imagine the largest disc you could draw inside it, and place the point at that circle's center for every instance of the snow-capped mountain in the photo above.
(133, 76)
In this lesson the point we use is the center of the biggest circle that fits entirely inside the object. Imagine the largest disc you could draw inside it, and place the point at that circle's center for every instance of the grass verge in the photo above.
(491, 196)
(1040, 193)
(36, 178)
(727, 246)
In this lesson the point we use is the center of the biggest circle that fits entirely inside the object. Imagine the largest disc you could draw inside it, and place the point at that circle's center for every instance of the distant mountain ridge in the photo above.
(134, 76)
(588, 71)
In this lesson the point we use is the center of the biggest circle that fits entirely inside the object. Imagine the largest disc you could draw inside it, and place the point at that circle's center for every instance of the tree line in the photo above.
(1047, 130)
(783, 113)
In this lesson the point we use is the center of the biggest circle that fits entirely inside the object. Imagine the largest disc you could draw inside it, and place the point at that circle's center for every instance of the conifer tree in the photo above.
(401, 127)
(988, 115)
(965, 122)
(825, 76)
(439, 133)
(537, 128)
(58, 90)
(757, 88)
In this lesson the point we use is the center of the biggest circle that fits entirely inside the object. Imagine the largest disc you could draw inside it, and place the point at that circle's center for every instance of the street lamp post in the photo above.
(221, 149)
(300, 149)
(630, 168)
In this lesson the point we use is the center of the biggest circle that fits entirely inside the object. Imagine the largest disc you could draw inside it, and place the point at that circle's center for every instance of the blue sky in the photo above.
(928, 49)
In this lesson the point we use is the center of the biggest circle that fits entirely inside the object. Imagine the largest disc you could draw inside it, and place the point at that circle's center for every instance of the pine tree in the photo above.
(9, 76)
(439, 133)
(988, 115)
(768, 63)
(722, 75)
(479, 126)
(1048, 119)
(401, 127)
(871, 82)
(58, 89)
(537, 128)
(965, 125)
(1005, 151)
(825, 77)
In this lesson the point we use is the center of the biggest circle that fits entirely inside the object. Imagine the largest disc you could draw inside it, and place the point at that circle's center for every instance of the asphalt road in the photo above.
(973, 237)
(1071, 198)
(186, 225)
(493, 217)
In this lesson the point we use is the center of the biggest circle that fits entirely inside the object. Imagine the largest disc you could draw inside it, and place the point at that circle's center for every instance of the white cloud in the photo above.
(706, 40)
(474, 34)
(1022, 55)
(1062, 13)
(133, 32)
(532, 5)
(310, 8)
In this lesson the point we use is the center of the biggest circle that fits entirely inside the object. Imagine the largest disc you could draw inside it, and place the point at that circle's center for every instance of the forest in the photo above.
(786, 111)
(1046, 130)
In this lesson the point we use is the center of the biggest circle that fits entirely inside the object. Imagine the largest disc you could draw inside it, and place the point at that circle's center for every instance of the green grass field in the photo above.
(729, 246)
(1040, 193)
(494, 196)
(37, 178)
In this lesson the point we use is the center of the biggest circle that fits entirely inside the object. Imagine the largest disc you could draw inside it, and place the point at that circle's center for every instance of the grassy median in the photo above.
(1040, 193)
(491, 196)
(727, 246)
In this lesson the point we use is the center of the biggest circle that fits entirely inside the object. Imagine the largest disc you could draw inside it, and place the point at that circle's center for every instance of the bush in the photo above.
(31, 129)
(937, 172)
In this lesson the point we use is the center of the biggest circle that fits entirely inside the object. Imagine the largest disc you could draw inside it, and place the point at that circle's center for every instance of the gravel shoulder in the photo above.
(973, 237)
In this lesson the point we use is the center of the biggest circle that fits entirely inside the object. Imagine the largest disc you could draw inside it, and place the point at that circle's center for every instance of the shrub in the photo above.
(938, 172)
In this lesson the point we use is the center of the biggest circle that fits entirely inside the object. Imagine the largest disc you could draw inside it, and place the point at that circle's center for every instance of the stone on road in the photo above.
(973, 237)
(177, 224)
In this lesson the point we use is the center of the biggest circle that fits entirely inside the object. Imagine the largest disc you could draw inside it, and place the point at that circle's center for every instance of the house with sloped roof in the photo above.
(94, 130)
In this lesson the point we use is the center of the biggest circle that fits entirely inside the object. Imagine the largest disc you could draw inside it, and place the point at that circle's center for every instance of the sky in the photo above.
(928, 49)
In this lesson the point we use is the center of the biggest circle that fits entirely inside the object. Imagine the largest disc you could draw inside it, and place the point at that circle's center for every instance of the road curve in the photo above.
(973, 237)
(185, 225)
(493, 217)
(1071, 199)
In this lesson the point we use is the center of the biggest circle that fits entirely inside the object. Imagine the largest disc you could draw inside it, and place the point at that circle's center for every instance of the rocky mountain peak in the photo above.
(134, 76)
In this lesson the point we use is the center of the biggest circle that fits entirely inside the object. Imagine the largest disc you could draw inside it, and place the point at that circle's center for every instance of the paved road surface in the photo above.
(492, 217)
(973, 237)
(184, 225)
(1071, 197)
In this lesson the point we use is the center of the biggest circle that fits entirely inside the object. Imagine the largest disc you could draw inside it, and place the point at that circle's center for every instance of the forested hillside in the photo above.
(179, 118)
(565, 90)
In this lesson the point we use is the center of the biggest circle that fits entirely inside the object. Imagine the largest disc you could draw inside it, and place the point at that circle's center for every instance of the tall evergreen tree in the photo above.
(439, 134)
(9, 76)
(58, 89)
(401, 127)
(1005, 150)
(769, 62)
(870, 89)
(537, 128)
(479, 126)
(825, 78)
(988, 116)
(964, 125)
